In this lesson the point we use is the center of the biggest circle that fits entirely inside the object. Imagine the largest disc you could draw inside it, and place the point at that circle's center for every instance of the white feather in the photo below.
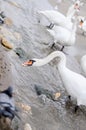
(83, 64)
(74, 83)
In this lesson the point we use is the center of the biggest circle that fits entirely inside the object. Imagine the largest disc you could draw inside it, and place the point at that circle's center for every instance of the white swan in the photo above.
(83, 64)
(74, 83)
(57, 18)
(82, 25)
(63, 36)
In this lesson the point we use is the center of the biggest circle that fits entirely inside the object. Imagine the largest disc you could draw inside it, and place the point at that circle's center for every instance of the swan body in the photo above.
(58, 18)
(83, 64)
(74, 83)
(62, 35)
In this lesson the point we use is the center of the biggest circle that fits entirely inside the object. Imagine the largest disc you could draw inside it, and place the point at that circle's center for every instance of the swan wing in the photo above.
(74, 83)
(54, 16)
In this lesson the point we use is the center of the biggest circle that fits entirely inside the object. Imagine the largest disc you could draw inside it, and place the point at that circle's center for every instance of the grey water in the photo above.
(35, 42)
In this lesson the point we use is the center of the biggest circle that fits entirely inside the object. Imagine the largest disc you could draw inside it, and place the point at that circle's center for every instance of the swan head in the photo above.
(40, 62)
(29, 63)
(34, 62)
(81, 21)
(78, 4)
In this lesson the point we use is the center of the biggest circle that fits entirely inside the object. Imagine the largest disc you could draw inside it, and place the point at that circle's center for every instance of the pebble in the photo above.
(6, 44)
(8, 21)
(27, 127)
(57, 95)
(49, 94)
(26, 108)
(21, 53)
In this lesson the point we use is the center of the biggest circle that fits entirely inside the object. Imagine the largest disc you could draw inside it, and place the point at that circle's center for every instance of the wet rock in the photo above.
(6, 44)
(8, 21)
(57, 95)
(27, 127)
(1, 20)
(2, 14)
(43, 98)
(69, 102)
(26, 108)
(5, 124)
(49, 94)
(21, 53)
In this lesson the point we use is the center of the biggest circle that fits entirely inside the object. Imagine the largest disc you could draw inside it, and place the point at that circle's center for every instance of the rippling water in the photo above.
(35, 41)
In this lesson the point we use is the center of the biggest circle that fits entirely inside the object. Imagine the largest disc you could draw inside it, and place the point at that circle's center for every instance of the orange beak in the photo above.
(81, 23)
(28, 63)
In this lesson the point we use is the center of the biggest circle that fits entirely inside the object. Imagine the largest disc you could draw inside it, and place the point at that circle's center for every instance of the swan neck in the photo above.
(61, 59)
(74, 26)
(70, 12)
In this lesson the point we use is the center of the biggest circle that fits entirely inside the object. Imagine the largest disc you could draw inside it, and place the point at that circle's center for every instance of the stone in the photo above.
(57, 95)
(26, 108)
(6, 44)
(27, 127)
(8, 21)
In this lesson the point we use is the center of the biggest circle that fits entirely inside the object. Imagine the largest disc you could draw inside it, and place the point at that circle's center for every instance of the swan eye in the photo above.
(28, 63)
